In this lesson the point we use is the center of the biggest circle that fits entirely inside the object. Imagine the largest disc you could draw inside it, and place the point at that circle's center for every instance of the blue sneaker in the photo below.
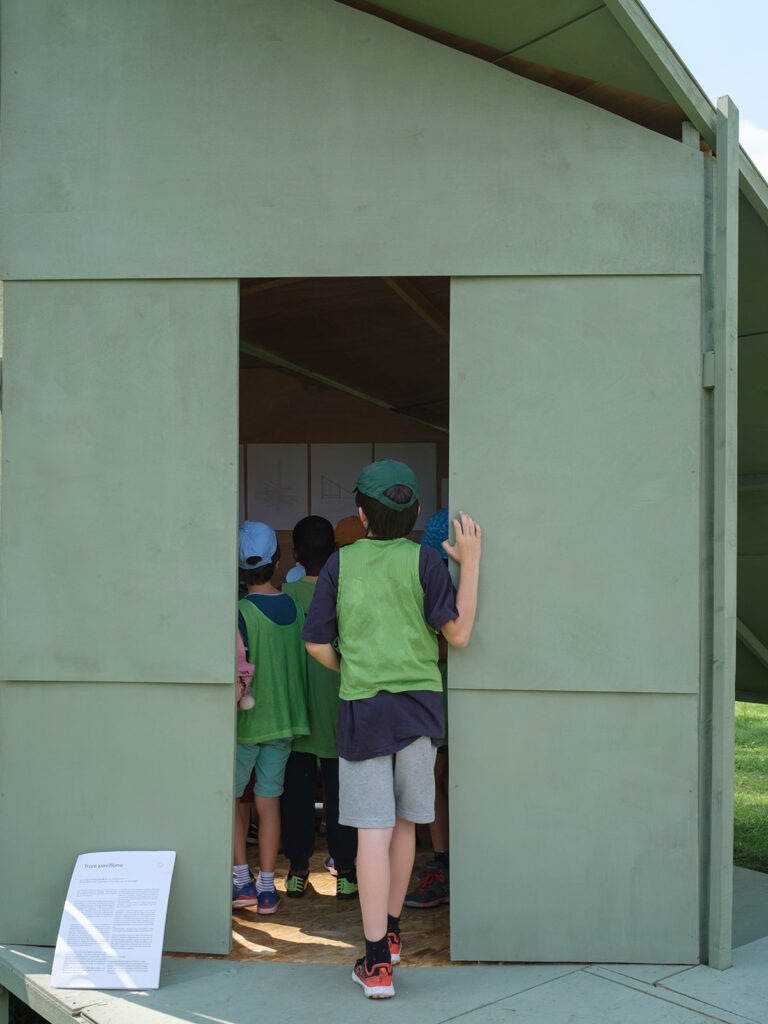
(245, 897)
(268, 902)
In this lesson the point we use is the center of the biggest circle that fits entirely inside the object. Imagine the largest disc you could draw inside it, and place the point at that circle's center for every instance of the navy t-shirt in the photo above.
(381, 725)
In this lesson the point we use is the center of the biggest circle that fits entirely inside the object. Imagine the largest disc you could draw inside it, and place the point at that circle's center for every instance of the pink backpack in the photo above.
(245, 670)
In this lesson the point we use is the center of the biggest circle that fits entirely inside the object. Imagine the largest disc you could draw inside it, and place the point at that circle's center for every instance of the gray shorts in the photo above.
(373, 792)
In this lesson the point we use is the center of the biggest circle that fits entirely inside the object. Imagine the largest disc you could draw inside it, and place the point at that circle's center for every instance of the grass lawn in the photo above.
(750, 826)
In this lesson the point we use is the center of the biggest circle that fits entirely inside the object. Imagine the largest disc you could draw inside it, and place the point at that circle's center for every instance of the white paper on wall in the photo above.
(334, 470)
(276, 484)
(421, 456)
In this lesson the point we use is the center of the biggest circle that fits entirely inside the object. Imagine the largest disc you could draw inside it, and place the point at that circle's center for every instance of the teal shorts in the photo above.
(268, 759)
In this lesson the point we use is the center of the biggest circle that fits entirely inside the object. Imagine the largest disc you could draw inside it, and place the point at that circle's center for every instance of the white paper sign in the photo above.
(111, 932)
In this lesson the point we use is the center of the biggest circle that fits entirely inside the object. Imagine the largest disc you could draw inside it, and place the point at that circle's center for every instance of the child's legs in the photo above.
(414, 790)
(384, 797)
(373, 879)
(268, 809)
(342, 840)
(245, 759)
(402, 850)
(297, 809)
(270, 772)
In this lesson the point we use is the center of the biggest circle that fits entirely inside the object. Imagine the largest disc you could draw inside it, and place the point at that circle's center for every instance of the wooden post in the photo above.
(725, 270)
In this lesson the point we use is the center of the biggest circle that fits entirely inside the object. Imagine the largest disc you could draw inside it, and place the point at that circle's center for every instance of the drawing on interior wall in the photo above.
(277, 489)
(276, 493)
(330, 489)
(335, 469)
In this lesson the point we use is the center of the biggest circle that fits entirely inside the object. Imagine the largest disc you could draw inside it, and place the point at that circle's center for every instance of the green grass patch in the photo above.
(750, 824)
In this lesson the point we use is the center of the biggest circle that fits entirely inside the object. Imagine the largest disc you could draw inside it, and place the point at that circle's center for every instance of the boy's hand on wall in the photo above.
(466, 547)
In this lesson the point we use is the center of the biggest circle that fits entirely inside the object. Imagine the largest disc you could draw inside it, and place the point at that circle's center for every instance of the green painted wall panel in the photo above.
(119, 514)
(752, 582)
(753, 400)
(89, 766)
(301, 137)
(575, 442)
(588, 805)
(753, 271)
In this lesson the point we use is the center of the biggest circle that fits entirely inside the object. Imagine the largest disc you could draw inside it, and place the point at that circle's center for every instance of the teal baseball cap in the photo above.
(379, 476)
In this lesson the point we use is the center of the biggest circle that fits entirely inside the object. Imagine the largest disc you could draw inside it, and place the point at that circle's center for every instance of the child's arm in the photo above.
(325, 654)
(465, 551)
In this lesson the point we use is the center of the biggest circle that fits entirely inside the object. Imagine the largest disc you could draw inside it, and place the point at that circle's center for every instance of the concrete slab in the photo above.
(218, 991)
(742, 989)
(650, 974)
(587, 998)
(750, 906)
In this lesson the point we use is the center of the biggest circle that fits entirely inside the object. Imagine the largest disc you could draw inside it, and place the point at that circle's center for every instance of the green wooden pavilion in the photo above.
(533, 229)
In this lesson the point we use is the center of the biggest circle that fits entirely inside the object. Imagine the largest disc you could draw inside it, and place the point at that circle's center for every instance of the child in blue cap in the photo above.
(387, 599)
(270, 625)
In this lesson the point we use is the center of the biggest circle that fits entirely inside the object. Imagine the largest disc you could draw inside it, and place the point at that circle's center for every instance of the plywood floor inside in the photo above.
(319, 929)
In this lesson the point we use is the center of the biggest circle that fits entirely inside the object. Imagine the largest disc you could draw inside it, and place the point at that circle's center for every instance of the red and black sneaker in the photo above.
(376, 981)
(433, 888)
(395, 946)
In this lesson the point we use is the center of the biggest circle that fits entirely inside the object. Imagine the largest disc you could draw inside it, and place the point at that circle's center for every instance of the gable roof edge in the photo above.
(652, 44)
(687, 92)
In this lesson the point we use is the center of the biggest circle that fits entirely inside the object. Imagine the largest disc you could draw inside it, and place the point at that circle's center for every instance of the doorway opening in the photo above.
(336, 372)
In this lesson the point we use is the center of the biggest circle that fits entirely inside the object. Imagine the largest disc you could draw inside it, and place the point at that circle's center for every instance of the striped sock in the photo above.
(266, 881)
(240, 875)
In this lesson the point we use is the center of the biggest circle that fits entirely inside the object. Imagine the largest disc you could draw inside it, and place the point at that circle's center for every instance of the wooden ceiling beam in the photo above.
(420, 304)
(268, 285)
(328, 382)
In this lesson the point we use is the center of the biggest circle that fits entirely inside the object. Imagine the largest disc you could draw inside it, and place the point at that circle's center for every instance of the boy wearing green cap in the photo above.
(387, 599)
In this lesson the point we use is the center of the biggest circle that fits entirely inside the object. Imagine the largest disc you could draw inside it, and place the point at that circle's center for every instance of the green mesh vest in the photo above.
(279, 683)
(385, 642)
(322, 689)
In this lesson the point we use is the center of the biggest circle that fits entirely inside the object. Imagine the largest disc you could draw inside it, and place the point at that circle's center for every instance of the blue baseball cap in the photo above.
(256, 544)
(435, 532)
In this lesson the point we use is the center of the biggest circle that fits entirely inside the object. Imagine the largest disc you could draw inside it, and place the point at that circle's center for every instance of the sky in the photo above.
(723, 46)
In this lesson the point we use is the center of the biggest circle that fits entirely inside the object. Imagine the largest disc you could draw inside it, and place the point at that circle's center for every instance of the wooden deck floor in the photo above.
(319, 929)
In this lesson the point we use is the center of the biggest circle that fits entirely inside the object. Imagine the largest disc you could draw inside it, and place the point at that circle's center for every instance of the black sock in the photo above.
(349, 874)
(377, 952)
(393, 924)
(441, 856)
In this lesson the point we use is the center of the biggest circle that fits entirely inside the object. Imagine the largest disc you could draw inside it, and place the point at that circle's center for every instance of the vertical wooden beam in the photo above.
(725, 329)
(420, 304)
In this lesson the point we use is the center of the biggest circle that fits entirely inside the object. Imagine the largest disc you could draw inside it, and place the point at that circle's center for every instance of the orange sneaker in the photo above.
(395, 947)
(376, 982)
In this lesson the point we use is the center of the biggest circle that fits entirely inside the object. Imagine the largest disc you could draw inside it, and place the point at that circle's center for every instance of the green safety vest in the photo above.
(384, 639)
(279, 684)
(322, 689)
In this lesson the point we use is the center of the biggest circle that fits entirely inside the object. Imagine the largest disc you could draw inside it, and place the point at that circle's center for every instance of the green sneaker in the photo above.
(296, 885)
(346, 886)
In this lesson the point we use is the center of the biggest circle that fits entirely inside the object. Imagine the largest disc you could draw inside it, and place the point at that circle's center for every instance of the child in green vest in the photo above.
(387, 599)
(314, 543)
(270, 625)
